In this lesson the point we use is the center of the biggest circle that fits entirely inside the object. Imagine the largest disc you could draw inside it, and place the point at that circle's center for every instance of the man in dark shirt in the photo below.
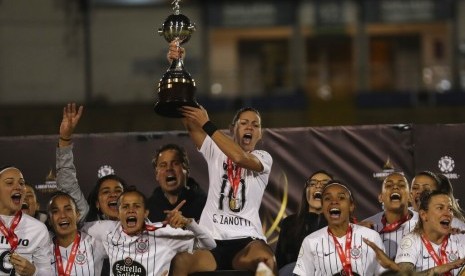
(172, 174)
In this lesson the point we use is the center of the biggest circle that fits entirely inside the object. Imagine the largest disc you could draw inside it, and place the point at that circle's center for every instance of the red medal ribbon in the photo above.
(393, 226)
(345, 258)
(72, 256)
(439, 260)
(152, 227)
(234, 176)
(9, 233)
(146, 227)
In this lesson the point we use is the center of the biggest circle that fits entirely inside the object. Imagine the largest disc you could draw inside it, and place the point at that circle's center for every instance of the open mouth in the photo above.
(16, 198)
(395, 197)
(170, 178)
(25, 206)
(247, 138)
(113, 205)
(131, 221)
(317, 195)
(64, 224)
(445, 222)
(334, 212)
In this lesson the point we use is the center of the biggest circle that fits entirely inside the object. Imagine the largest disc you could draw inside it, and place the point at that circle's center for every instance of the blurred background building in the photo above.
(300, 62)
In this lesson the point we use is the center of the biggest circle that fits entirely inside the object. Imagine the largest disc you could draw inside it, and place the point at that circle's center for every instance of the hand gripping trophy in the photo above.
(176, 88)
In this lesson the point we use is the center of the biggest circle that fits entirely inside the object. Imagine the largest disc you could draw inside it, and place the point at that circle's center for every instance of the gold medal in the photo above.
(232, 204)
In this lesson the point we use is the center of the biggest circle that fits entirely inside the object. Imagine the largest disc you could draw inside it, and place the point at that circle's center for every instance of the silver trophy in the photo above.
(176, 88)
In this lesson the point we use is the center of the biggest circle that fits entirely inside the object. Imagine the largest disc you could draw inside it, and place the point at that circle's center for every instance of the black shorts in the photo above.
(226, 250)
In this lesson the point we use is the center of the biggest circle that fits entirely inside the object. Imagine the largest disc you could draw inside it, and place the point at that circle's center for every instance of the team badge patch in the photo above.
(128, 267)
(453, 256)
(406, 243)
(142, 245)
(81, 258)
(356, 252)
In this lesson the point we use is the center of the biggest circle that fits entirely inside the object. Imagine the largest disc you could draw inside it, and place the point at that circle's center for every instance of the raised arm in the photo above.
(195, 120)
(66, 171)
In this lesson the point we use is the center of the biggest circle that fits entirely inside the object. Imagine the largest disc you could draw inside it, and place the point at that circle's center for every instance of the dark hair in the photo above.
(242, 110)
(180, 151)
(299, 232)
(304, 205)
(94, 213)
(32, 188)
(340, 184)
(133, 189)
(446, 186)
(395, 173)
(425, 199)
(429, 174)
(58, 194)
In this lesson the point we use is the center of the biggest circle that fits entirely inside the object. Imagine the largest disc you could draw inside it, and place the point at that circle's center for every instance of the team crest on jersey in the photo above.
(128, 267)
(356, 252)
(142, 245)
(81, 258)
(453, 256)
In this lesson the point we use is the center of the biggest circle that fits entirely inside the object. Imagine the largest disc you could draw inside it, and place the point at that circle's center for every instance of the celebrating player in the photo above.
(430, 247)
(238, 175)
(24, 241)
(74, 252)
(135, 246)
(429, 181)
(338, 249)
(296, 227)
(396, 217)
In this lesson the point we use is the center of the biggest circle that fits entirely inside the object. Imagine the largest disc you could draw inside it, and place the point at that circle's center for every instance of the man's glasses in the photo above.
(315, 182)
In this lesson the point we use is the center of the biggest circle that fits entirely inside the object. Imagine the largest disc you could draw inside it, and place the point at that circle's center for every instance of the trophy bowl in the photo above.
(176, 88)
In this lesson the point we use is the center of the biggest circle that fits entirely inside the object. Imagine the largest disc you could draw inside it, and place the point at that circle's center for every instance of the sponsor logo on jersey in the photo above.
(21, 242)
(128, 267)
(446, 165)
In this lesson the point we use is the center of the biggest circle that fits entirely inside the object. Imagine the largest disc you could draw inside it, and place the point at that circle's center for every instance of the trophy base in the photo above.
(175, 89)
(170, 109)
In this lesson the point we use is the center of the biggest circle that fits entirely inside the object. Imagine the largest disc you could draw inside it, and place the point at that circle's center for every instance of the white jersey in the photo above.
(88, 260)
(318, 255)
(34, 245)
(229, 217)
(150, 252)
(392, 239)
(412, 250)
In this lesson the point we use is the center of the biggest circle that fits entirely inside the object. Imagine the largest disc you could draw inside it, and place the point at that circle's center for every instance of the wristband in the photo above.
(209, 128)
(65, 139)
